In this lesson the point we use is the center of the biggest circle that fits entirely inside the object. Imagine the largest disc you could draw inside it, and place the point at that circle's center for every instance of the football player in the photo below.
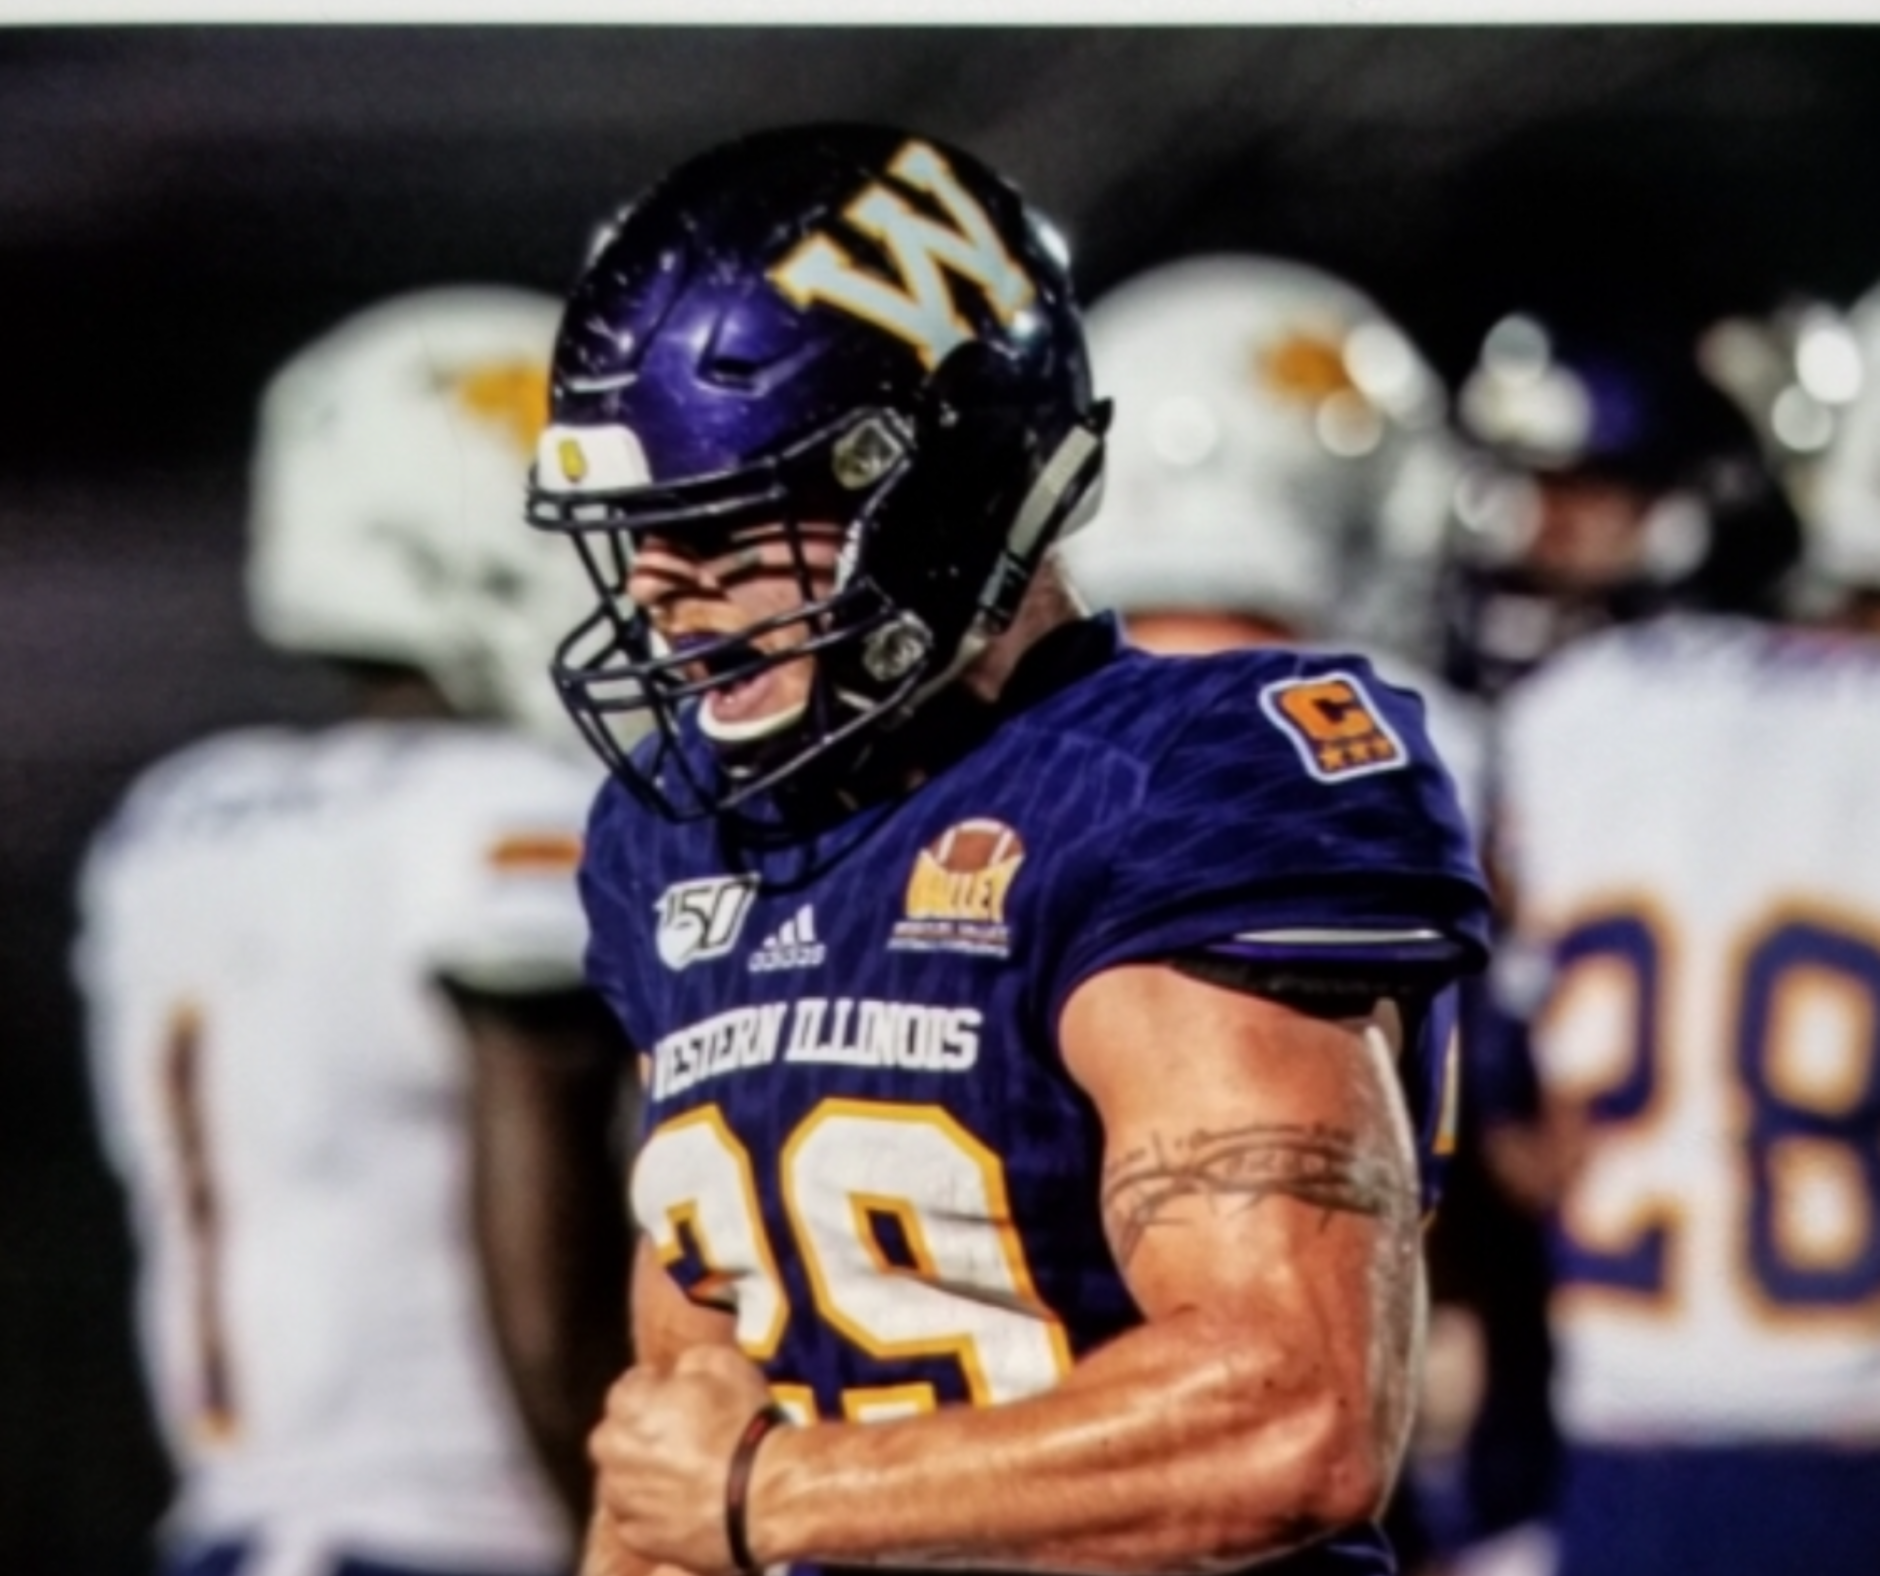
(1694, 866)
(1042, 1039)
(1614, 478)
(333, 980)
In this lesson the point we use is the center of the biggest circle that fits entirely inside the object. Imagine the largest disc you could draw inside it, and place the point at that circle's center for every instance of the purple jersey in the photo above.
(860, 1134)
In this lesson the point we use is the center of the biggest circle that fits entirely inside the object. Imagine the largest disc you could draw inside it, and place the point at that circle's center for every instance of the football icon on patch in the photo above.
(1335, 726)
(956, 892)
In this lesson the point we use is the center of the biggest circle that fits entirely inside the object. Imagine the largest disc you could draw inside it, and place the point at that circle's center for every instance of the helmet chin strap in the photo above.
(1075, 471)
(1064, 496)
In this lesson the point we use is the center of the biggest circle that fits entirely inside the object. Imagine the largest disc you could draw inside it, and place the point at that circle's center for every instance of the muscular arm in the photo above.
(550, 1212)
(1260, 1197)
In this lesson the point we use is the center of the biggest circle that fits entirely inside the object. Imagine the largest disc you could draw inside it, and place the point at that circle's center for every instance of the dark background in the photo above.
(181, 208)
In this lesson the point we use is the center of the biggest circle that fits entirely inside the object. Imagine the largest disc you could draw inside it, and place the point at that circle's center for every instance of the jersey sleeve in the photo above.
(502, 913)
(1298, 820)
(120, 881)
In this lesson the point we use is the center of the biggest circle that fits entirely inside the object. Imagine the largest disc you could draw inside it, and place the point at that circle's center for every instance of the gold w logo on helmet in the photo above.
(916, 306)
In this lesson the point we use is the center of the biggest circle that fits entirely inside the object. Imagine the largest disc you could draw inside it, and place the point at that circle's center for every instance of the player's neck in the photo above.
(1049, 603)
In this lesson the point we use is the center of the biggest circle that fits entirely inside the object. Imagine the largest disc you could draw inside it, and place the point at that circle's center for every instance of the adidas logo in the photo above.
(792, 946)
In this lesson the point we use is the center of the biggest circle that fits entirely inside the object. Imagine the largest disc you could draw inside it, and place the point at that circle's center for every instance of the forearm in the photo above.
(1179, 1447)
(1270, 1240)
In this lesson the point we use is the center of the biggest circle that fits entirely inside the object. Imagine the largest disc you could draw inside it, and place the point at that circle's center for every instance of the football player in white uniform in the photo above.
(1278, 472)
(317, 963)
(1688, 839)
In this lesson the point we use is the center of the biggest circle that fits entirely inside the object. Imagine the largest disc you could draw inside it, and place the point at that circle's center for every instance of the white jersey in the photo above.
(284, 1092)
(1694, 814)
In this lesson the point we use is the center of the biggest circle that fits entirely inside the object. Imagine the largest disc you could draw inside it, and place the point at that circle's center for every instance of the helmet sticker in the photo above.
(510, 395)
(1303, 367)
(590, 459)
(573, 460)
(916, 307)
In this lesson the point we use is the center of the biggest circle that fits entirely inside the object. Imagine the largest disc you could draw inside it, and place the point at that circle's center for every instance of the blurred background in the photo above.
(182, 208)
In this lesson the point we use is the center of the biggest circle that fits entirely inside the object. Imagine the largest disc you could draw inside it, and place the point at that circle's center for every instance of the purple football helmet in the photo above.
(844, 325)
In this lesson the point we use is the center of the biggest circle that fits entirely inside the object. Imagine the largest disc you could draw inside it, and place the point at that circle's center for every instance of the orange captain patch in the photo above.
(1334, 724)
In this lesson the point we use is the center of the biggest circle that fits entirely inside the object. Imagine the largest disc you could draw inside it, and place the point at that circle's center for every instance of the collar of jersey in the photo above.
(1060, 658)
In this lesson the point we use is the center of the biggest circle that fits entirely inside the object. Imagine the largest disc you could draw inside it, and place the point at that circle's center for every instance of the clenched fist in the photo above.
(663, 1452)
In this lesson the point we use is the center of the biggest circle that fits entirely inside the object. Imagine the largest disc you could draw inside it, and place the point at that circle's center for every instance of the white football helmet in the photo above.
(1277, 450)
(386, 521)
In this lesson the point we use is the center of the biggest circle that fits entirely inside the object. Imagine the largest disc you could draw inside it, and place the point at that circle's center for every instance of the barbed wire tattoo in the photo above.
(1237, 1169)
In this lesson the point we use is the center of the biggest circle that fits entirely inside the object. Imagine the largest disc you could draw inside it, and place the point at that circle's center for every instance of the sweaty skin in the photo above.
(1260, 1196)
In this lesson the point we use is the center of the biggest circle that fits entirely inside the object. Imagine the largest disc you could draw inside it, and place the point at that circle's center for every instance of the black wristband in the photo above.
(738, 1481)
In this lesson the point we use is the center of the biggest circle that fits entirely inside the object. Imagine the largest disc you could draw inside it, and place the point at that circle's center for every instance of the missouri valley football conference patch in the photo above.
(1335, 726)
(955, 899)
